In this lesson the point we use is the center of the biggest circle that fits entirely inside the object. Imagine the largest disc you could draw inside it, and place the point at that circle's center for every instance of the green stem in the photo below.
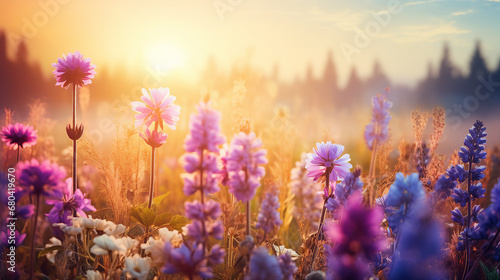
(151, 188)
(32, 255)
(74, 141)
(321, 220)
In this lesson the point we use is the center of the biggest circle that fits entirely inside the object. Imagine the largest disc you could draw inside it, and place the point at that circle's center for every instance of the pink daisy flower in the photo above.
(73, 69)
(327, 155)
(19, 135)
(155, 138)
(157, 106)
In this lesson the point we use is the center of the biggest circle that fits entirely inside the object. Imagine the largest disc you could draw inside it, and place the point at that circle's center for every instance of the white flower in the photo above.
(105, 243)
(70, 230)
(115, 230)
(137, 267)
(282, 250)
(96, 224)
(52, 255)
(154, 247)
(93, 275)
(169, 236)
(128, 243)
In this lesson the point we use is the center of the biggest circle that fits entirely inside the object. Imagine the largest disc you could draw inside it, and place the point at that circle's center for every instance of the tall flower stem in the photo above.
(18, 154)
(467, 241)
(32, 255)
(247, 206)
(75, 180)
(322, 218)
(152, 185)
(248, 216)
(202, 198)
(371, 173)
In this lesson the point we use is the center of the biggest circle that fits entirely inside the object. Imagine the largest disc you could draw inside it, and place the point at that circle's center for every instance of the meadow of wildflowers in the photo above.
(237, 205)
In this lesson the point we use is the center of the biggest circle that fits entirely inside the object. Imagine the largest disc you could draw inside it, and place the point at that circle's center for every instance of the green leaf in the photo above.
(144, 215)
(177, 222)
(156, 200)
(489, 274)
(163, 219)
(50, 250)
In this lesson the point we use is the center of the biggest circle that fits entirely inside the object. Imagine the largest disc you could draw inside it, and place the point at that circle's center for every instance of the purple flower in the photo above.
(155, 138)
(264, 266)
(269, 217)
(378, 128)
(216, 255)
(41, 178)
(287, 265)
(359, 232)
(182, 260)
(195, 231)
(420, 246)
(351, 184)
(192, 163)
(21, 211)
(473, 149)
(197, 211)
(73, 69)
(19, 135)
(223, 174)
(495, 197)
(192, 184)
(204, 130)
(243, 165)
(4, 239)
(157, 107)
(326, 156)
(457, 217)
(67, 203)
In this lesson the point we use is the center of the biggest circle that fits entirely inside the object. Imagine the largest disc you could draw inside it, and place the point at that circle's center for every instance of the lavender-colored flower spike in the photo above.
(204, 129)
(19, 135)
(308, 202)
(359, 226)
(378, 128)
(73, 69)
(473, 150)
(244, 165)
(287, 265)
(264, 266)
(269, 216)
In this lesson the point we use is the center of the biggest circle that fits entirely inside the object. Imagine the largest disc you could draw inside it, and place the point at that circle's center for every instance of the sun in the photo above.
(165, 57)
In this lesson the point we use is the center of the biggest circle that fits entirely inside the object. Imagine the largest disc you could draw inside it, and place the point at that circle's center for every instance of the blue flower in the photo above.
(460, 196)
(473, 149)
(457, 217)
(477, 191)
(402, 195)
(264, 266)
(495, 197)
(419, 246)
(351, 183)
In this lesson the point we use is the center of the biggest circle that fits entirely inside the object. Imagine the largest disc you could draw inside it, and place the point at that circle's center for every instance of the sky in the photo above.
(405, 36)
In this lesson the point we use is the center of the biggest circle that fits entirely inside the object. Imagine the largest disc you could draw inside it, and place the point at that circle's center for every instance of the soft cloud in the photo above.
(461, 13)
(345, 20)
(427, 32)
